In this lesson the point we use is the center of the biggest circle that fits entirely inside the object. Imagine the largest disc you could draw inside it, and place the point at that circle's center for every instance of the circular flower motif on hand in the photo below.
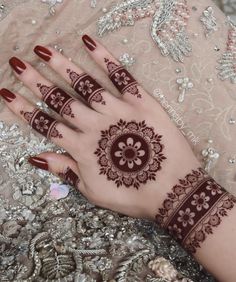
(130, 153)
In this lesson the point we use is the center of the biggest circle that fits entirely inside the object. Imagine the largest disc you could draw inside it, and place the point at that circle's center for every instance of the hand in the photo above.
(126, 153)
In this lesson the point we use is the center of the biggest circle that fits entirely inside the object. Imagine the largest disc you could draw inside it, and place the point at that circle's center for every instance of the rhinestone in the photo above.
(232, 160)
(178, 70)
(232, 121)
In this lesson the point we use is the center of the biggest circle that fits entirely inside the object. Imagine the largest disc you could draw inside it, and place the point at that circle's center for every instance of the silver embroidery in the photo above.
(70, 239)
(209, 21)
(227, 68)
(168, 29)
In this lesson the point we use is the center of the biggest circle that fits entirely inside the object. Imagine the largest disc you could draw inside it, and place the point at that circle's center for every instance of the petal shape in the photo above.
(118, 153)
(130, 141)
(141, 153)
(121, 145)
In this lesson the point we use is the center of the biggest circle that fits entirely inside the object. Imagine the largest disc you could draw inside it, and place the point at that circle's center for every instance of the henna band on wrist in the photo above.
(193, 208)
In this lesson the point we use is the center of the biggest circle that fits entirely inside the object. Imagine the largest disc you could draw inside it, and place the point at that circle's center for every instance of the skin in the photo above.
(82, 141)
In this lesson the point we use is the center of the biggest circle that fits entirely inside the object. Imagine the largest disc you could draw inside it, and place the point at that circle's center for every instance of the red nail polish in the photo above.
(17, 65)
(88, 41)
(38, 162)
(7, 95)
(43, 53)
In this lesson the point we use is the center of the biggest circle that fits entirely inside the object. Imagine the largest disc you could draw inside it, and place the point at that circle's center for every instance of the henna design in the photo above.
(70, 177)
(122, 79)
(194, 207)
(57, 99)
(87, 87)
(130, 153)
(42, 123)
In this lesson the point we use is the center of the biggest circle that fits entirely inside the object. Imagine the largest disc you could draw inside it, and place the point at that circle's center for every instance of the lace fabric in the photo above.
(38, 235)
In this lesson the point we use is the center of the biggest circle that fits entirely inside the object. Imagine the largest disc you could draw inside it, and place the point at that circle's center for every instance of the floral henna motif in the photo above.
(70, 177)
(195, 206)
(57, 99)
(42, 123)
(130, 153)
(86, 87)
(122, 79)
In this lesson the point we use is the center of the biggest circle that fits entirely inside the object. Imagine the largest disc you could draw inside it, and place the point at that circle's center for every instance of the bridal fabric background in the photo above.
(69, 239)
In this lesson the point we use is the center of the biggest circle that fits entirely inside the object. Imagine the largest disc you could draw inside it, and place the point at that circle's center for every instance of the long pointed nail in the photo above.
(88, 41)
(7, 95)
(17, 65)
(43, 53)
(38, 162)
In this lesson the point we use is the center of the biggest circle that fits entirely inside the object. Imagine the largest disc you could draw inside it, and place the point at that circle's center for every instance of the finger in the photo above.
(59, 133)
(57, 99)
(61, 165)
(85, 86)
(120, 77)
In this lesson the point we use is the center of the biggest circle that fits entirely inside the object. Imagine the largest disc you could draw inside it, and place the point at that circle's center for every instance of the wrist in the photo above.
(194, 208)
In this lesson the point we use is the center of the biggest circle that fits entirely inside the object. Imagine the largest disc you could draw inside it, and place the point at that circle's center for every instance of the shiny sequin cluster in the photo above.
(168, 29)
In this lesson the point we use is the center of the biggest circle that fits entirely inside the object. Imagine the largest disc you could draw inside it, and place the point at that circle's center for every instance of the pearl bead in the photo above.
(33, 22)
(125, 40)
(104, 10)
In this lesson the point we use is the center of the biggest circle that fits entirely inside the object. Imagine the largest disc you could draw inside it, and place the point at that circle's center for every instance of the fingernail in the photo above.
(17, 65)
(88, 41)
(38, 162)
(7, 95)
(43, 53)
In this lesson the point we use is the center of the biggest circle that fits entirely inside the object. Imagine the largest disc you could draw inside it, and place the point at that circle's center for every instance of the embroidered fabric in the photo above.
(70, 239)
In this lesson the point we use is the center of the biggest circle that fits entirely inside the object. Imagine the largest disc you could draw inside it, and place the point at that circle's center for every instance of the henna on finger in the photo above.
(42, 123)
(57, 99)
(70, 177)
(87, 87)
(194, 207)
(130, 153)
(122, 79)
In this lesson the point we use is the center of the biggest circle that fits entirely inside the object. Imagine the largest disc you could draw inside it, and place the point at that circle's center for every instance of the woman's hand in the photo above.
(126, 154)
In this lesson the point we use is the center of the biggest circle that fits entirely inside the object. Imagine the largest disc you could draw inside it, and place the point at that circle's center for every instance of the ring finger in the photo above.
(58, 132)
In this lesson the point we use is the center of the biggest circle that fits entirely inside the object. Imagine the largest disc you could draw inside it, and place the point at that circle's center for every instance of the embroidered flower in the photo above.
(129, 153)
(186, 217)
(57, 100)
(41, 123)
(121, 78)
(85, 87)
(201, 201)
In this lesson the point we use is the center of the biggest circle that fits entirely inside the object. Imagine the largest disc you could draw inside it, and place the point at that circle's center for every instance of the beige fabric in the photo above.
(207, 107)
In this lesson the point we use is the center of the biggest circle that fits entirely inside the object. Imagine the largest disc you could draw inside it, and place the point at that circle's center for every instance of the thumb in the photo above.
(61, 165)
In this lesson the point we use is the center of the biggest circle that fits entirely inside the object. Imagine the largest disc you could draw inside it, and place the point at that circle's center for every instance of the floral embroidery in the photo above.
(86, 87)
(193, 208)
(42, 123)
(57, 99)
(122, 79)
(168, 28)
(227, 67)
(130, 153)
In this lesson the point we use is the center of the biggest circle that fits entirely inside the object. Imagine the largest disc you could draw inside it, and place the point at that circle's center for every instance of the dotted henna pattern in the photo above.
(130, 153)
(42, 123)
(86, 87)
(70, 177)
(122, 79)
(194, 207)
(57, 99)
